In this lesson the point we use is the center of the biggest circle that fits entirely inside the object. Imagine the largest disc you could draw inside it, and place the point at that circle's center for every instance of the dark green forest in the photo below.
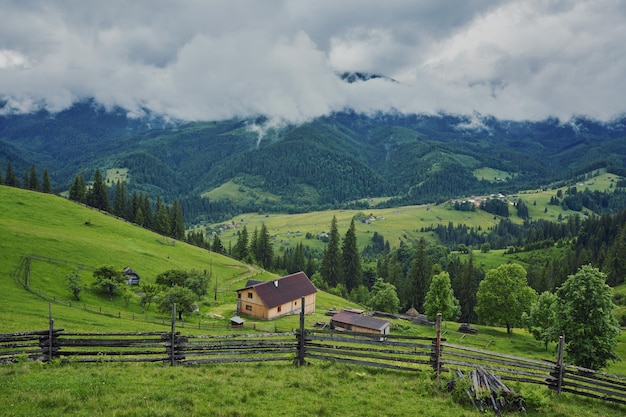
(329, 162)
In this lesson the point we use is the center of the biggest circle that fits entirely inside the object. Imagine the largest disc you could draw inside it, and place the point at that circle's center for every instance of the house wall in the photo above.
(258, 309)
(252, 306)
(293, 307)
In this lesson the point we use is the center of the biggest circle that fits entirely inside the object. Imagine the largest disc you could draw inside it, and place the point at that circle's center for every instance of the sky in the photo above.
(210, 60)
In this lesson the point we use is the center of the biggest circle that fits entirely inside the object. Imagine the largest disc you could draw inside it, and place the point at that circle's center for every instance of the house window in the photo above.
(238, 295)
(248, 307)
(296, 303)
(250, 295)
(280, 308)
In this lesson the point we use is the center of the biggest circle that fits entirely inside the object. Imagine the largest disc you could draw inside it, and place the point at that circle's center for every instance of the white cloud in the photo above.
(199, 60)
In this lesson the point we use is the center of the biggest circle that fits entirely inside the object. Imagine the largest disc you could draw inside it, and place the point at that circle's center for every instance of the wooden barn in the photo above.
(359, 323)
(279, 297)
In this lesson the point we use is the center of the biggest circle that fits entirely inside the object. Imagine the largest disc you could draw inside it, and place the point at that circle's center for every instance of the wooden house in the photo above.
(130, 276)
(359, 323)
(279, 297)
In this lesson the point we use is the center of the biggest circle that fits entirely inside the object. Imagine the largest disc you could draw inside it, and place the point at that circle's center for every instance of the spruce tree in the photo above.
(419, 276)
(11, 179)
(330, 268)
(33, 179)
(177, 222)
(240, 250)
(264, 248)
(78, 191)
(98, 196)
(297, 260)
(162, 220)
(351, 261)
(46, 185)
(121, 200)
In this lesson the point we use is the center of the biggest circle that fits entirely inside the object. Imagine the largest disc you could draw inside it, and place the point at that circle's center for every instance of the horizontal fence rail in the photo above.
(383, 351)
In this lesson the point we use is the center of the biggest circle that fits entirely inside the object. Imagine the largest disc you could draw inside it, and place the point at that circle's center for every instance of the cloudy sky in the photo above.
(208, 60)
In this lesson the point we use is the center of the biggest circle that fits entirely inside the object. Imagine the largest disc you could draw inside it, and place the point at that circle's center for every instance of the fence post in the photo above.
(438, 347)
(50, 332)
(302, 335)
(560, 368)
(173, 336)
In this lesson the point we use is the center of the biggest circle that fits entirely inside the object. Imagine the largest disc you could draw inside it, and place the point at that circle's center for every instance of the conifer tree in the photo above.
(98, 195)
(1, 179)
(162, 220)
(78, 190)
(615, 262)
(176, 221)
(330, 268)
(419, 276)
(240, 250)
(297, 260)
(351, 261)
(265, 250)
(11, 179)
(33, 179)
(216, 245)
(121, 200)
(46, 185)
(146, 209)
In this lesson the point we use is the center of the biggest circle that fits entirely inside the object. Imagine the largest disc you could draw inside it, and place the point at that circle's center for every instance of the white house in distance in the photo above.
(279, 297)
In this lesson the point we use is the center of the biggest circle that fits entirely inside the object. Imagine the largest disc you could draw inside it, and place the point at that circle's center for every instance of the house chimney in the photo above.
(276, 283)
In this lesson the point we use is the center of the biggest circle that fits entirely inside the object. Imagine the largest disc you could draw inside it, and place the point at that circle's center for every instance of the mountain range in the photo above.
(332, 161)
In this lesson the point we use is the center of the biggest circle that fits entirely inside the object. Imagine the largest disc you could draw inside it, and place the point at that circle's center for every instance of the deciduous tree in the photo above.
(504, 295)
(384, 297)
(108, 279)
(541, 319)
(184, 299)
(584, 311)
(440, 299)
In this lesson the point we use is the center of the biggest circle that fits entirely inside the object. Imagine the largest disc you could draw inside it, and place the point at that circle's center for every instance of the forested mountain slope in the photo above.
(328, 162)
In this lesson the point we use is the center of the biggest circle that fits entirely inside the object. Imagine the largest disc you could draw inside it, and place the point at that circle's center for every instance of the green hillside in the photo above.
(397, 224)
(77, 239)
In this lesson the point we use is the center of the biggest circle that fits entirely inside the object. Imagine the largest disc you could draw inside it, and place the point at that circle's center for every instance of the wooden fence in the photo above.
(398, 352)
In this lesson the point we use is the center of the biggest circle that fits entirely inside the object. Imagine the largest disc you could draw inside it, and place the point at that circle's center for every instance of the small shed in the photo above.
(131, 277)
(236, 322)
(359, 323)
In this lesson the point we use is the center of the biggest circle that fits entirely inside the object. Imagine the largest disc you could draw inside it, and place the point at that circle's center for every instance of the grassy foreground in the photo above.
(320, 389)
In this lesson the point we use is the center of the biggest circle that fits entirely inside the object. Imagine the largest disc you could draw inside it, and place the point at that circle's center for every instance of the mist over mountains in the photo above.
(331, 161)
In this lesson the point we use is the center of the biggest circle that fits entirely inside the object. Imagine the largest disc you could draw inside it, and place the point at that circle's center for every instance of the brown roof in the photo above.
(360, 320)
(283, 290)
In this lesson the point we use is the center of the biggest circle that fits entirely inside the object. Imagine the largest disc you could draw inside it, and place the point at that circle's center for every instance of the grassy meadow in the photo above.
(397, 225)
(53, 227)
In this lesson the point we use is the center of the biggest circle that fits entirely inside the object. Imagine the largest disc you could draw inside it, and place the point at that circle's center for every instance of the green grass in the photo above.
(491, 174)
(320, 389)
(54, 227)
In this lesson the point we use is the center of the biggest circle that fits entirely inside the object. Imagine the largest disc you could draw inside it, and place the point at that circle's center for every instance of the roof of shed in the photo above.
(283, 290)
(360, 320)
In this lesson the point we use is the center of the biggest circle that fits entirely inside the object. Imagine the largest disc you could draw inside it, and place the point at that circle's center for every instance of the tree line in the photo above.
(30, 179)
(139, 209)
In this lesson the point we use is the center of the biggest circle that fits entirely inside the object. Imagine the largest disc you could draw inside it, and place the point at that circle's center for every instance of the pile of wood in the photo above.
(486, 391)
